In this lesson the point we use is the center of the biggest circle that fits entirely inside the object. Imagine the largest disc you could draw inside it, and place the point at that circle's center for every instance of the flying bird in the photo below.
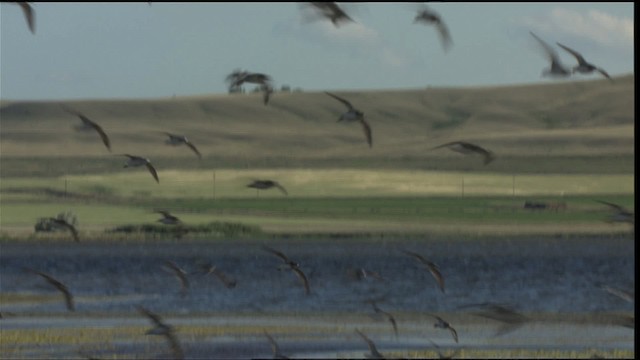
(181, 275)
(167, 218)
(135, 161)
(390, 317)
(374, 353)
(556, 69)
(58, 285)
(431, 266)
(442, 324)
(89, 125)
(294, 266)
(267, 184)
(161, 328)
(209, 269)
(502, 313)
(63, 223)
(354, 114)
(468, 148)
(277, 354)
(427, 16)
(176, 140)
(619, 213)
(332, 12)
(583, 66)
(361, 274)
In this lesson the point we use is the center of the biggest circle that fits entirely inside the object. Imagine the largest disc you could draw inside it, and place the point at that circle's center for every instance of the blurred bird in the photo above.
(556, 69)
(135, 161)
(181, 275)
(442, 324)
(361, 274)
(468, 148)
(498, 312)
(176, 140)
(583, 66)
(161, 328)
(390, 317)
(277, 354)
(428, 17)
(294, 266)
(619, 213)
(209, 269)
(431, 266)
(167, 218)
(267, 184)
(63, 223)
(331, 11)
(373, 351)
(354, 114)
(58, 285)
(88, 125)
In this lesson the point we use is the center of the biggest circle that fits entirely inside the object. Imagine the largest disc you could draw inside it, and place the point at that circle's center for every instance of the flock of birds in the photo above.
(334, 13)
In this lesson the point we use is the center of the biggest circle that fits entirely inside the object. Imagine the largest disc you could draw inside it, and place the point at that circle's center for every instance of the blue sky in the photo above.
(137, 50)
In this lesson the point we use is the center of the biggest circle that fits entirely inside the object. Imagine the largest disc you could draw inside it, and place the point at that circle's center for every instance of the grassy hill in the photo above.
(564, 126)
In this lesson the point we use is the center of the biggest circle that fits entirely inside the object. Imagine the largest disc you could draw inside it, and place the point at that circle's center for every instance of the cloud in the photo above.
(594, 25)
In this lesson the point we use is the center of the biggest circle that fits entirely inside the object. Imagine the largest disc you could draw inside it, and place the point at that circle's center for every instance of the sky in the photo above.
(157, 50)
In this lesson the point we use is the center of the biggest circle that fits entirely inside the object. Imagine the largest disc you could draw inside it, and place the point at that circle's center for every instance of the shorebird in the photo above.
(620, 213)
(181, 275)
(135, 161)
(442, 324)
(556, 69)
(390, 317)
(161, 328)
(468, 148)
(373, 351)
(209, 269)
(58, 285)
(89, 125)
(583, 66)
(427, 16)
(294, 266)
(63, 223)
(431, 266)
(331, 11)
(167, 218)
(277, 354)
(267, 184)
(176, 140)
(354, 114)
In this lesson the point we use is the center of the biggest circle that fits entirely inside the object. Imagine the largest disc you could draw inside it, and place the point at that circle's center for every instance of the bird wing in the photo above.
(98, 128)
(73, 230)
(153, 172)
(228, 283)
(181, 274)
(274, 345)
(604, 73)
(575, 54)
(174, 345)
(391, 319)
(155, 318)
(622, 294)
(551, 54)
(445, 145)
(303, 278)
(29, 15)
(345, 102)
(193, 148)
(372, 346)
(454, 333)
(60, 286)
(613, 206)
(433, 269)
(367, 132)
(445, 37)
(277, 253)
(284, 191)
(417, 256)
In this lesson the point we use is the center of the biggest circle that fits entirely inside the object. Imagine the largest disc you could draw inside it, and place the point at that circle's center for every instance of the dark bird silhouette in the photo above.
(176, 140)
(431, 266)
(163, 329)
(29, 14)
(389, 317)
(442, 324)
(294, 266)
(181, 275)
(89, 125)
(277, 354)
(583, 66)
(619, 213)
(167, 218)
(332, 12)
(267, 184)
(63, 223)
(209, 269)
(58, 285)
(556, 69)
(135, 161)
(354, 114)
(468, 148)
(430, 17)
(373, 351)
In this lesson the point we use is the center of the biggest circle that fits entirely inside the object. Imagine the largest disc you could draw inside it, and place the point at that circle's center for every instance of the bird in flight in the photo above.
(294, 266)
(583, 66)
(373, 351)
(63, 223)
(162, 328)
(58, 285)
(620, 213)
(267, 184)
(239, 77)
(502, 313)
(176, 140)
(431, 266)
(331, 11)
(556, 69)
(428, 17)
(209, 269)
(390, 317)
(468, 148)
(181, 275)
(135, 161)
(277, 354)
(89, 125)
(354, 114)
(442, 324)
(167, 218)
